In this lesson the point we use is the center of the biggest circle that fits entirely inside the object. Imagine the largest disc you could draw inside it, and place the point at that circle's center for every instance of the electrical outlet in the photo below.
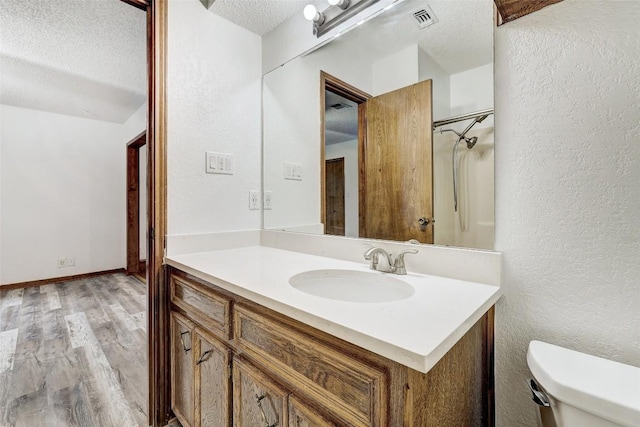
(62, 262)
(254, 200)
(71, 262)
(267, 200)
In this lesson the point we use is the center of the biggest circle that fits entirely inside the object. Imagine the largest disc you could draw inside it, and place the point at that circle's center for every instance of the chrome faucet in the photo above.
(372, 255)
(396, 266)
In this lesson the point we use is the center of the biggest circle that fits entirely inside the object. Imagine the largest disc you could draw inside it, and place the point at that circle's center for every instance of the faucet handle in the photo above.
(371, 255)
(398, 264)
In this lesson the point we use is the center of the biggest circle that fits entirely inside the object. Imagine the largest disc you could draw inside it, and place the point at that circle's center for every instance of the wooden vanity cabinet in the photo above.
(244, 365)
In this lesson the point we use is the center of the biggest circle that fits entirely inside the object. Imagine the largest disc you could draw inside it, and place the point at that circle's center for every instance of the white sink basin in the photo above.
(352, 285)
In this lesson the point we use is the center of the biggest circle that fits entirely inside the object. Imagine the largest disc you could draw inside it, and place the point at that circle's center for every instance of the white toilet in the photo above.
(578, 390)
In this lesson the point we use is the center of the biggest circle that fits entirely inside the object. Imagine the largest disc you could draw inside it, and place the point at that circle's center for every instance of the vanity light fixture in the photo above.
(331, 17)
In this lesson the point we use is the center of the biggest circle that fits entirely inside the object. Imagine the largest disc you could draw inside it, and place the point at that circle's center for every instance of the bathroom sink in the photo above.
(351, 285)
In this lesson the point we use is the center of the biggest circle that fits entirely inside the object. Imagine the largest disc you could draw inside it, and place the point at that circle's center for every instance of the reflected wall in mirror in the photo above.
(349, 141)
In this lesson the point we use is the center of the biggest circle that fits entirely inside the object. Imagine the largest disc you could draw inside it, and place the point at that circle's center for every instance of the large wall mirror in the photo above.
(387, 131)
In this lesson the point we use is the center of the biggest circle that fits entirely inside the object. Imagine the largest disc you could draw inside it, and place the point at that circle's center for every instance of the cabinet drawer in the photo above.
(355, 392)
(258, 400)
(210, 308)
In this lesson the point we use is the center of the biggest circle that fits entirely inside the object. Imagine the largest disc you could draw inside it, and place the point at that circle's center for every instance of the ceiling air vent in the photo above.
(424, 17)
(340, 106)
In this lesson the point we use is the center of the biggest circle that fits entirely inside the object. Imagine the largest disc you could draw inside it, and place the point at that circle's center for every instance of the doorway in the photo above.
(342, 136)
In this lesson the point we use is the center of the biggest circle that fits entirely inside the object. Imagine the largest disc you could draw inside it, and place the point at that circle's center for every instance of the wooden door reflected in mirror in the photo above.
(378, 175)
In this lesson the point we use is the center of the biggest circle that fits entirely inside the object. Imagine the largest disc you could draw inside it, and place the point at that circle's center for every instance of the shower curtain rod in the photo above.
(462, 117)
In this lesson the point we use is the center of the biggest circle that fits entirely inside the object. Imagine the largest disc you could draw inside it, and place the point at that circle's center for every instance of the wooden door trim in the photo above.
(158, 354)
(133, 202)
(140, 4)
(158, 326)
(510, 10)
(352, 93)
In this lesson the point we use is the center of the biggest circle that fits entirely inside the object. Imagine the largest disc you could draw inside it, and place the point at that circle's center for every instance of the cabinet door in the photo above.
(301, 415)
(257, 399)
(182, 379)
(213, 381)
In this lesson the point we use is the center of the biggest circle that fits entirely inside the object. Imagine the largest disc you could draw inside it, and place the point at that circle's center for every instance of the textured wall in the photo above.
(567, 188)
(213, 95)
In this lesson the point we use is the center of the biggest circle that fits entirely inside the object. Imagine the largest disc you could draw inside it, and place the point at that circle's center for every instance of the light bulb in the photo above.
(342, 4)
(310, 12)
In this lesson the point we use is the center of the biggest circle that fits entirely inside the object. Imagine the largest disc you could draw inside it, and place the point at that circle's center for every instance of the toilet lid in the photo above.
(602, 387)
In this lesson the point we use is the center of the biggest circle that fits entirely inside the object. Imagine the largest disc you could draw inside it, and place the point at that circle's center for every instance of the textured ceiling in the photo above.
(258, 16)
(461, 39)
(341, 124)
(82, 58)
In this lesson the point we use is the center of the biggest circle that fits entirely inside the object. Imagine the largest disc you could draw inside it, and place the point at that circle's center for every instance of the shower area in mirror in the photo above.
(463, 161)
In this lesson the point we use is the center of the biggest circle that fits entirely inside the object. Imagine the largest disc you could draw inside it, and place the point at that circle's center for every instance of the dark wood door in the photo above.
(334, 205)
(398, 172)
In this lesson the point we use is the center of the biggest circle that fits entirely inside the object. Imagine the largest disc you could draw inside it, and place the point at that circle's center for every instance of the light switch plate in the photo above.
(293, 171)
(219, 163)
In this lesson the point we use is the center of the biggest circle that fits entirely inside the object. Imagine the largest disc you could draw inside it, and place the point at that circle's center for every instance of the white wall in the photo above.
(348, 150)
(395, 71)
(214, 104)
(567, 189)
(63, 194)
(428, 68)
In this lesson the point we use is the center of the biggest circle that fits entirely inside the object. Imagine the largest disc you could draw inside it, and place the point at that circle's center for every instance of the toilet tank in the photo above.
(586, 390)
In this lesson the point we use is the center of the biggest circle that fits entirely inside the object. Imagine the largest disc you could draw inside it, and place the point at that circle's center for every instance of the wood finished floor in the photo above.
(74, 354)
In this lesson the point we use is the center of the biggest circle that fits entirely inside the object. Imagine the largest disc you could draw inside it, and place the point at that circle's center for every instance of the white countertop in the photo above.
(415, 332)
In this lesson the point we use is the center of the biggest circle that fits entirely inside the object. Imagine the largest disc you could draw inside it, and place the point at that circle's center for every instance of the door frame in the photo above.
(352, 93)
(159, 411)
(133, 203)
